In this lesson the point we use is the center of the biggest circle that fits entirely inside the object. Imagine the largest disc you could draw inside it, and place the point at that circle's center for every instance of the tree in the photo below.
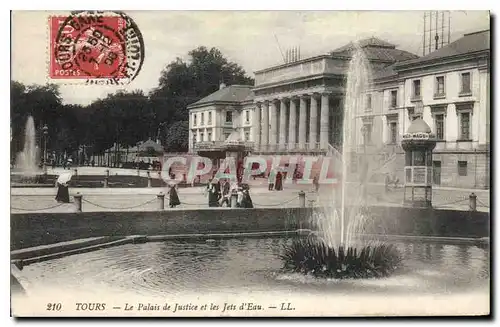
(123, 117)
(176, 137)
(183, 83)
(42, 102)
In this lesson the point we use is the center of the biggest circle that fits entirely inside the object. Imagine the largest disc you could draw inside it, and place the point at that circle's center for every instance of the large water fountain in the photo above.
(26, 169)
(335, 250)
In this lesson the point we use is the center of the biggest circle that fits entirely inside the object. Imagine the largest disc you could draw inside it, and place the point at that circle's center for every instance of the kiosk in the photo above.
(418, 143)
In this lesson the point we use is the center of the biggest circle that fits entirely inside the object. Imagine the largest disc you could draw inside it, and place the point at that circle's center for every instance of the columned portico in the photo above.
(302, 122)
(274, 124)
(265, 125)
(283, 121)
(324, 121)
(256, 124)
(313, 122)
(292, 123)
(298, 123)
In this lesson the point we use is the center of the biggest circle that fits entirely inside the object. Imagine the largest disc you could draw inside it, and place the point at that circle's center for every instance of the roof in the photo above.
(385, 72)
(370, 42)
(469, 43)
(232, 93)
(376, 49)
(249, 97)
(419, 126)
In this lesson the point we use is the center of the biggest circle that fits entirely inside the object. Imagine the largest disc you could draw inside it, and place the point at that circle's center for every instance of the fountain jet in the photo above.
(340, 226)
(27, 159)
(335, 249)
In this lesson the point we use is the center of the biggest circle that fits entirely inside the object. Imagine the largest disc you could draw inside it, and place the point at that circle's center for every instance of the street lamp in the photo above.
(45, 130)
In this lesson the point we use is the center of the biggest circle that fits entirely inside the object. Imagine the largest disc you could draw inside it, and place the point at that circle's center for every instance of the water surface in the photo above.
(251, 265)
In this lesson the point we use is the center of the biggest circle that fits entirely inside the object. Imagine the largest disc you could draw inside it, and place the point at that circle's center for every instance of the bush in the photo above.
(312, 257)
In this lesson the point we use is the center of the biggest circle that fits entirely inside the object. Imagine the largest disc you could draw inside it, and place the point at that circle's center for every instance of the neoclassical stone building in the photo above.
(294, 107)
(297, 107)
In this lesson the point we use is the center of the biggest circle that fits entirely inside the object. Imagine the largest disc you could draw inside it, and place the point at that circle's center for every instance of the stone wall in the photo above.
(477, 169)
(34, 229)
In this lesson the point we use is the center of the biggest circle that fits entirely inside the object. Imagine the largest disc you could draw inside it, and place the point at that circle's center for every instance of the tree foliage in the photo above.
(182, 83)
(123, 117)
(177, 136)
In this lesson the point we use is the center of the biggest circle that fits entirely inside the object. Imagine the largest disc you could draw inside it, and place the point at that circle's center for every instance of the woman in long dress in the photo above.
(213, 194)
(62, 195)
(246, 201)
(173, 196)
(279, 182)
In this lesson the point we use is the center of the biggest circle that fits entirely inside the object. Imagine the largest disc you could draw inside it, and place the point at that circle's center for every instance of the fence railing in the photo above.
(159, 199)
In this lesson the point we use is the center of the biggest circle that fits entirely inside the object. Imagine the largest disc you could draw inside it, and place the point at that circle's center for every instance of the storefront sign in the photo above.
(416, 136)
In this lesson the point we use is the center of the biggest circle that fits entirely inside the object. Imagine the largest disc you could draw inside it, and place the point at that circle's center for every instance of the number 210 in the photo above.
(54, 306)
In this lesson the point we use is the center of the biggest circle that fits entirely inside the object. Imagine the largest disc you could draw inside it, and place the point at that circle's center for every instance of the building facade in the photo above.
(297, 108)
(449, 89)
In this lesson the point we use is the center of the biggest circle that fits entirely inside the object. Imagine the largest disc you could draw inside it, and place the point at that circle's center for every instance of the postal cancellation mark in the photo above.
(95, 45)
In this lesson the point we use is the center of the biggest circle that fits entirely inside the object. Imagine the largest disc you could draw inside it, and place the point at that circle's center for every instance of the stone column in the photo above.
(313, 122)
(292, 124)
(256, 121)
(324, 121)
(302, 122)
(264, 141)
(274, 124)
(282, 132)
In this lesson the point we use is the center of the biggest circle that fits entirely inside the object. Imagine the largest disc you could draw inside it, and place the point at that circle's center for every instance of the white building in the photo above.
(450, 89)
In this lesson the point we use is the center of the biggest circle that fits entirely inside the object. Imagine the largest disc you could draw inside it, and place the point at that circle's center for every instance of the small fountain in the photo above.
(26, 161)
(26, 168)
(335, 249)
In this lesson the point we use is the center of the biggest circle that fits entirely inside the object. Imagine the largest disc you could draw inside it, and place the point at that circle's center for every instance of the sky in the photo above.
(250, 38)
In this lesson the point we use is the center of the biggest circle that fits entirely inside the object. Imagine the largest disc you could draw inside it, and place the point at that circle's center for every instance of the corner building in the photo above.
(450, 89)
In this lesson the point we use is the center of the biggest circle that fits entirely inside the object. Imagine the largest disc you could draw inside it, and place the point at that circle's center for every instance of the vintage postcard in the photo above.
(250, 163)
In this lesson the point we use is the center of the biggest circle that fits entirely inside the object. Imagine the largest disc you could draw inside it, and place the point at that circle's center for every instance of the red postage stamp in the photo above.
(95, 46)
